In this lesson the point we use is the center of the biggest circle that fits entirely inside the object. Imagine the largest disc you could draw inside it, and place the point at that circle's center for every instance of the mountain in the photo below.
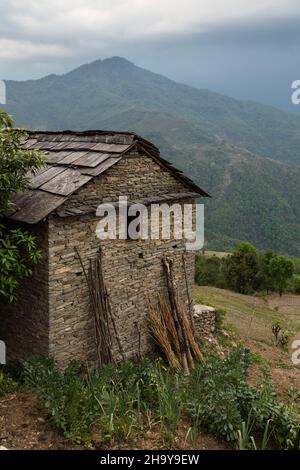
(213, 138)
(254, 198)
(93, 92)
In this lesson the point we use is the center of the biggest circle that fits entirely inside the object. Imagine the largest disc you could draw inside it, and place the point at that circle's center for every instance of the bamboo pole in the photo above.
(184, 346)
(190, 301)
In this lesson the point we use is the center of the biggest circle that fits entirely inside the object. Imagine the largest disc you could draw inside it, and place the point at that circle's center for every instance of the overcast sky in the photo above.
(245, 48)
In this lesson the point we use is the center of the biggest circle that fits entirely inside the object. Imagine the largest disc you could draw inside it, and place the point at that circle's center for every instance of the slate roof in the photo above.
(74, 159)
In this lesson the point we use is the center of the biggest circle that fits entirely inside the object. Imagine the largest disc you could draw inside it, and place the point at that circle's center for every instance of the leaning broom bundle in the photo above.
(171, 328)
(158, 328)
(166, 313)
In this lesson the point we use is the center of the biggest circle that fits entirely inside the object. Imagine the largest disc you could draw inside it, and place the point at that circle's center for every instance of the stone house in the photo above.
(52, 316)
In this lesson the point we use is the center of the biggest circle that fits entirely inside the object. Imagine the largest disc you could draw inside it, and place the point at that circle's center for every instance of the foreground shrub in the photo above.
(121, 402)
(117, 402)
(223, 401)
(7, 383)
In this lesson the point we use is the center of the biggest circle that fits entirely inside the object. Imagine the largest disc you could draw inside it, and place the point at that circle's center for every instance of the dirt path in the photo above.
(23, 425)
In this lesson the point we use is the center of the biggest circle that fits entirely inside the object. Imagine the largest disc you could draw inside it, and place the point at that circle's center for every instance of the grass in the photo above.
(249, 320)
(252, 317)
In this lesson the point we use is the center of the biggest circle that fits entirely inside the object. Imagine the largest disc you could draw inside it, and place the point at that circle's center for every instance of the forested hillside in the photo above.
(96, 91)
(213, 138)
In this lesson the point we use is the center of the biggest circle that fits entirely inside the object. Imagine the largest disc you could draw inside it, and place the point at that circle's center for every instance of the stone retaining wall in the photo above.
(204, 320)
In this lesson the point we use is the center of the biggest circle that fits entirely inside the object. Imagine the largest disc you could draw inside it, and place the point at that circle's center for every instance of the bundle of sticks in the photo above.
(171, 328)
(101, 308)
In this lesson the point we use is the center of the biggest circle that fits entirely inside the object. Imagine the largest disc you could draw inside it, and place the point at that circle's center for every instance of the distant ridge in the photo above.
(245, 154)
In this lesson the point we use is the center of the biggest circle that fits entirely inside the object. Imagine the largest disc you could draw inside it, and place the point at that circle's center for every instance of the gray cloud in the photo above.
(246, 49)
(89, 24)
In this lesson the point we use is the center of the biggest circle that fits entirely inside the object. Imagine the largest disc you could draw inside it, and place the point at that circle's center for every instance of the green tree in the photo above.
(208, 271)
(264, 277)
(281, 270)
(297, 284)
(241, 269)
(18, 250)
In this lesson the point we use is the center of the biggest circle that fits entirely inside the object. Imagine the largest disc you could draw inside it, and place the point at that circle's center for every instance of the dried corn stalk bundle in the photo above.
(166, 312)
(159, 331)
(171, 327)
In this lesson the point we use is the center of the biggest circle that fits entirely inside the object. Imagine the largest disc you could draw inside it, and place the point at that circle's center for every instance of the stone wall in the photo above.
(133, 269)
(204, 320)
(135, 176)
(53, 315)
(24, 325)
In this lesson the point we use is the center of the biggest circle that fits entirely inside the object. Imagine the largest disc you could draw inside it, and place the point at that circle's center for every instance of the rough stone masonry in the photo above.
(52, 316)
